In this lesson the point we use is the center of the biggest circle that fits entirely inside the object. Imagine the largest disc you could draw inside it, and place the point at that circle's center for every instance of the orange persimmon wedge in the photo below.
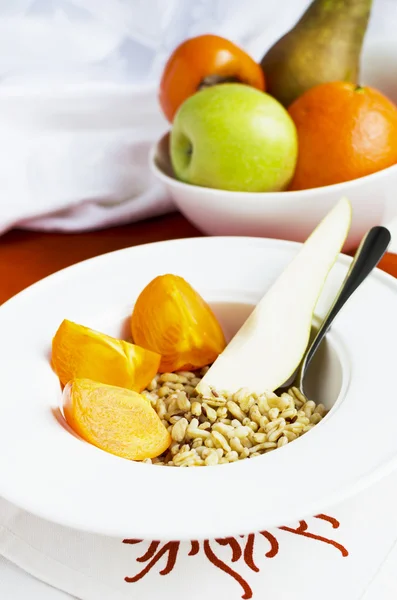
(80, 352)
(114, 419)
(171, 318)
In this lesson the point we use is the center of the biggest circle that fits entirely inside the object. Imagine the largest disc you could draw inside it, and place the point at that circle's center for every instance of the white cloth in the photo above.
(354, 559)
(78, 98)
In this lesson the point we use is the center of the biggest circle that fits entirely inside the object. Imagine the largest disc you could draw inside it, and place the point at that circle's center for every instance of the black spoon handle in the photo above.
(373, 246)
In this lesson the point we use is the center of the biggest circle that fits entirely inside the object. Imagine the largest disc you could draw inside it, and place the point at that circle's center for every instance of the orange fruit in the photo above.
(80, 352)
(171, 318)
(114, 419)
(345, 132)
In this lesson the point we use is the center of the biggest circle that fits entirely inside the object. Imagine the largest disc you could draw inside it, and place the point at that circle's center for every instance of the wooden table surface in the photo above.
(26, 257)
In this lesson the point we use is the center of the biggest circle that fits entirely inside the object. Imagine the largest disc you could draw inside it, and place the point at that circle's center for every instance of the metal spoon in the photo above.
(373, 246)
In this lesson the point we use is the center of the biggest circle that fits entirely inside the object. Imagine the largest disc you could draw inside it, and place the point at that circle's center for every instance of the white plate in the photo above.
(49, 472)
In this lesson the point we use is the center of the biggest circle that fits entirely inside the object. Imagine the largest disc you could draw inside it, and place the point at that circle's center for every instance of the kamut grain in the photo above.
(178, 431)
(210, 412)
(212, 459)
(219, 428)
(220, 441)
(196, 409)
(273, 413)
(236, 411)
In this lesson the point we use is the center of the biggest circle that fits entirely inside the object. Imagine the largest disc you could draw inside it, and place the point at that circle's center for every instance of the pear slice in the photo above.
(268, 348)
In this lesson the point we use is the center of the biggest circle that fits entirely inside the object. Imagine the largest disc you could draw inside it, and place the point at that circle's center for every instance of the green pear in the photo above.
(270, 345)
(325, 45)
(234, 137)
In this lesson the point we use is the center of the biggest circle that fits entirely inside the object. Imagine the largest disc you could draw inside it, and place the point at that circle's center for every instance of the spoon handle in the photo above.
(373, 246)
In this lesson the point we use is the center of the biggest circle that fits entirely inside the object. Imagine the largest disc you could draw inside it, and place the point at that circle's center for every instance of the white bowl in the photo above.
(51, 473)
(293, 215)
(282, 215)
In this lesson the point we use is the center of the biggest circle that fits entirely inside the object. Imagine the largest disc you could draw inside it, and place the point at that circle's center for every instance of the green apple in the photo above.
(234, 137)
(268, 348)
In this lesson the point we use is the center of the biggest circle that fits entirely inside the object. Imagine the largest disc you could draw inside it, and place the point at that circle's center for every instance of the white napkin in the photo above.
(78, 104)
(350, 552)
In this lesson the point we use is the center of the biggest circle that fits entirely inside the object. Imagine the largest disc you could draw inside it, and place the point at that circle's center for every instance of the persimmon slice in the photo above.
(171, 318)
(114, 419)
(80, 352)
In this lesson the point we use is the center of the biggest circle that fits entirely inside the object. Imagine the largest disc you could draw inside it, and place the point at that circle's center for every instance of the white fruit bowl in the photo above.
(282, 215)
(291, 215)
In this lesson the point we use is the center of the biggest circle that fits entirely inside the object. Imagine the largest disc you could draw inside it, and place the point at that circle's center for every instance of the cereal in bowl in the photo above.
(220, 428)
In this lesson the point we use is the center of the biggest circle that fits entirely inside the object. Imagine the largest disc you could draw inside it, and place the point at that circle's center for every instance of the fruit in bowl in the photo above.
(78, 351)
(170, 318)
(325, 45)
(234, 137)
(270, 345)
(345, 132)
(114, 419)
(229, 134)
(203, 61)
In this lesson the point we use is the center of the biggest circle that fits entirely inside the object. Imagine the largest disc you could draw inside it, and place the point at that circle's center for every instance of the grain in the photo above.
(220, 428)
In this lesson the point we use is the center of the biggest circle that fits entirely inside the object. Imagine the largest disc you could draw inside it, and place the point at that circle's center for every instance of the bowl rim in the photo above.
(286, 195)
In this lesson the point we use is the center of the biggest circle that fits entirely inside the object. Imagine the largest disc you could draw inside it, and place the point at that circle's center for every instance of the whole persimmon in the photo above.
(203, 61)
(345, 132)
